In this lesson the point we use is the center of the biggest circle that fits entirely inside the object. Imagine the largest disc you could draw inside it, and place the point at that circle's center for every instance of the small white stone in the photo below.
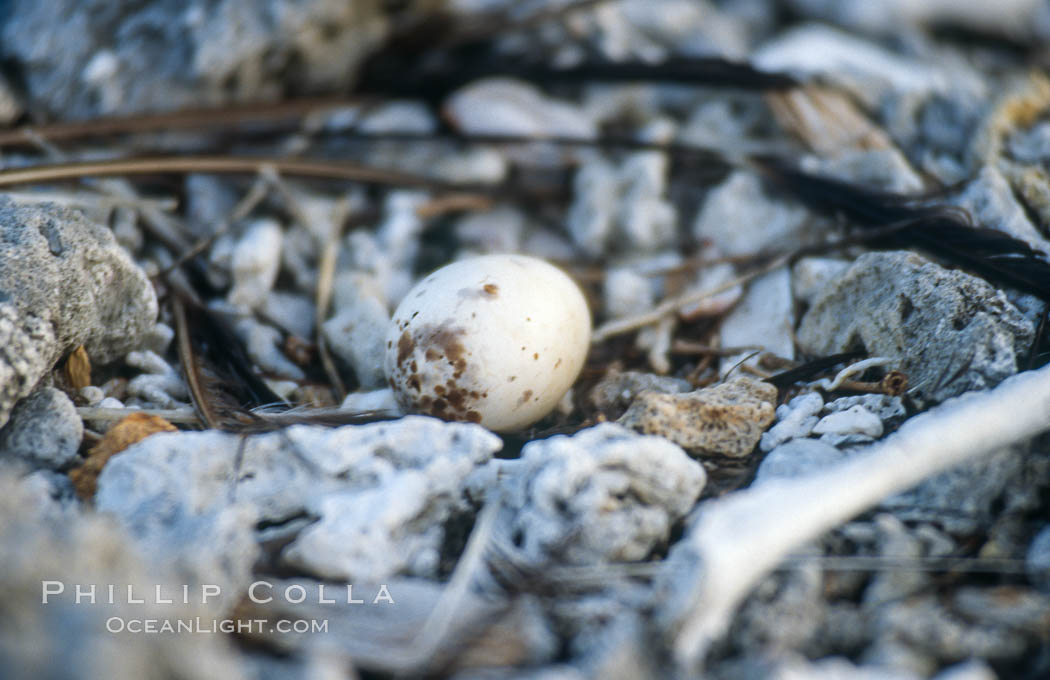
(256, 259)
(159, 339)
(398, 116)
(854, 420)
(159, 385)
(292, 312)
(795, 419)
(92, 395)
(285, 389)
(1037, 560)
(504, 106)
(375, 400)
(810, 275)
(646, 219)
(261, 342)
(473, 166)
(740, 219)
(494, 231)
(495, 340)
(709, 278)
(797, 458)
(764, 317)
(627, 292)
(590, 217)
(357, 333)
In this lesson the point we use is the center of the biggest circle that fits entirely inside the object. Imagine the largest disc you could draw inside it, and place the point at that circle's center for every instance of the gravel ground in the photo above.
(807, 241)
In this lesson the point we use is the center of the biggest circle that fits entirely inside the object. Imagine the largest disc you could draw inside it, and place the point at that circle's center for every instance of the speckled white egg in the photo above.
(495, 340)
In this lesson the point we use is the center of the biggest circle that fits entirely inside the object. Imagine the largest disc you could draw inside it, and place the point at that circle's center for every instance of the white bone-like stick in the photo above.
(850, 371)
(739, 539)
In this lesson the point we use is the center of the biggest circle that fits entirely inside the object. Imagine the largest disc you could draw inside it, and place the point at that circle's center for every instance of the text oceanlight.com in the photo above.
(259, 592)
(119, 624)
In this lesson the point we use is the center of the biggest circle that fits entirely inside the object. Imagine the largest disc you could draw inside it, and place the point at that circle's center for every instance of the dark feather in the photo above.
(222, 382)
(811, 368)
(946, 231)
(327, 417)
(433, 80)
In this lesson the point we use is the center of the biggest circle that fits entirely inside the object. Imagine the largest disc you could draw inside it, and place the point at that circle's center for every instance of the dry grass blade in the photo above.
(186, 416)
(338, 170)
(325, 279)
(672, 305)
(293, 110)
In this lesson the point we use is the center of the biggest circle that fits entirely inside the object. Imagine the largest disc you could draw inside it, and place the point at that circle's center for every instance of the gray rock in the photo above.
(255, 261)
(84, 59)
(64, 282)
(991, 202)
(159, 383)
(291, 312)
(502, 106)
(895, 543)
(493, 231)
(603, 494)
(262, 343)
(10, 106)
(1018, 19)
(615, 392)
(739, 219)
(590, 217)
(48, 541)
(764, 317)
(974, 669)
(810, 275)
(795, 419)
(622, 651)
(391, 484)
(1004, 622)
(44, 431)
(589, 619)
(951, 332)
(626, 291)
(1037, 560)
(863, 68)
(1030, 145)
(962, 500)
(377, 629)
(357, 335)
(784, 611)
(797, 458)
(647, 221)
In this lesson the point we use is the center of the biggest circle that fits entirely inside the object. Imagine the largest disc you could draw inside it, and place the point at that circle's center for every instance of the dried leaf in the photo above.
(132, 429)
(77, 368)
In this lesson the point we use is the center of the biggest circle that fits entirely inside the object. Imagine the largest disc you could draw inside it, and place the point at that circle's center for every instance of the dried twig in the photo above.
(323, 298)
(672, 305)
(190, 367)
(739, 539)
(292, 110)
(172, 415)
(340, 170)
(853, 369)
